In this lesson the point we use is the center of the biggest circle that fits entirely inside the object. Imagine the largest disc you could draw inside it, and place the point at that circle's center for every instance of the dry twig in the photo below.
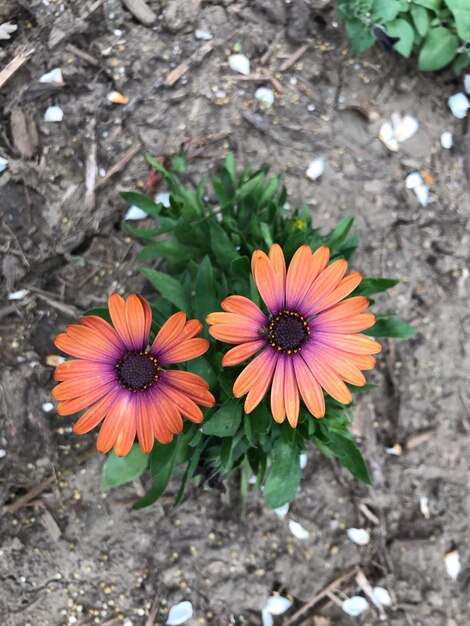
(11, 68)
(32, 493)
(119, 165)
(196, 58)
(294, 57)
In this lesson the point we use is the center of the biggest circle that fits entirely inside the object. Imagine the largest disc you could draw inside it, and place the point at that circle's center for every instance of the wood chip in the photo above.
(417, 440)
(91, 168)
(11, 68)
(196, 58)
(120, 165)
(32, 493)
(366, 587)
(24, 133)
(294, 57)
(82, 55)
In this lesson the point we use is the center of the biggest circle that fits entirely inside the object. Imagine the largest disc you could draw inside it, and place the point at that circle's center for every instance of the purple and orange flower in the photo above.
(309, 340)
(120, 378)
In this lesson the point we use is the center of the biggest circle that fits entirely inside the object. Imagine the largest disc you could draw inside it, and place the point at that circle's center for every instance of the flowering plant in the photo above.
(295, 321)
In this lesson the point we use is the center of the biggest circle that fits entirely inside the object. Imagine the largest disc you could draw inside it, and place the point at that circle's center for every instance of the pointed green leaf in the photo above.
(403, 29)
(225, 421)
(143, 202)
(118, 470)
(438, 50)
(349, 455)
(169, 287)
(284, 474)
(369, 286)
(390, 327)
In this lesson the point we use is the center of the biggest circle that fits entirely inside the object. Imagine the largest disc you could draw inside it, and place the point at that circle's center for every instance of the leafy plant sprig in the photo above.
(438, 31)
(207, 243)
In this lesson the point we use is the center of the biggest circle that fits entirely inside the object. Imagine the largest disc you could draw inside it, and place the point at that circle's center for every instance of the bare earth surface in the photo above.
(75, 555)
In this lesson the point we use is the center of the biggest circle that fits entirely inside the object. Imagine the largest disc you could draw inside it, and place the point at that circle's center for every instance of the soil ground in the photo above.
(75, 555)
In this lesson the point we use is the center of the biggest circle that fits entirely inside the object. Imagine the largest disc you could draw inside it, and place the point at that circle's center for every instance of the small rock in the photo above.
(135, 213)
(277, 605)
(54, 77)
(298, 530)
(265, 95)
(163, 198)
(54, 114)
(282, 511)
(179, 13)
(47, 407)
(355, 605)
(141, 11)
(361, 536)
(205, 35)
(3, 164)
(447, 140)
(466, 83)
(315, 169)
(239, 63)
(382, 596)
(452, 563)
(18, 295)
(459, 105)
(179, 613)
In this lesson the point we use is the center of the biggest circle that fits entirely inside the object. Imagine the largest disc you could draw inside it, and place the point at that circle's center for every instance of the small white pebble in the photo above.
(47, 407)
(382, 596)
(179, 613)
(452, 563)
(282, 511)
(459, 105)
(466, 82)
(311, 107)
(298, 530)
(239, 63)
(3, 164)
(422, 193)
(447, 140)
(163, 198)
(3, 453)
(135, 213)
(54, 77)
(53, 114)
(424, 507)
(361, 536)
(355, 605)
(315, 168)
(205, 35)
(277, 605)
(303, 460)
(265, 95)
(18, 295)
(413, 180)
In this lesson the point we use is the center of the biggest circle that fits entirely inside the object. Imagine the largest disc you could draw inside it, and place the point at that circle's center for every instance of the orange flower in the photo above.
(308, 342)
(121, 379)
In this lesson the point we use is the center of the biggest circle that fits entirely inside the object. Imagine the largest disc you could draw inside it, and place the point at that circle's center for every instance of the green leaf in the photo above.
(204, 369)
(162, 455)
(149, 233)
(205, 297)
(189, 473)
(434, 5)
(349, 455)
(384, 11)
(390, 327)
(339, 234)
(118, 470)
(143, 202)
(266, 234)
(461, 11)
(461, 62)
(438, 50)
(370, 286)
(230, 168)
(100, 312)
(421, 19)
(169, 287)
(225, 421)
(157, 489)
(403, 29)
(284, 475)
(260, 419)
(269, 191)
(222, 247)
(171, 250)
(361, 38)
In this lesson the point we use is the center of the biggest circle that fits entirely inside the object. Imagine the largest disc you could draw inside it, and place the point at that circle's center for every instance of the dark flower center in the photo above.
(137, 371)
(288, 331)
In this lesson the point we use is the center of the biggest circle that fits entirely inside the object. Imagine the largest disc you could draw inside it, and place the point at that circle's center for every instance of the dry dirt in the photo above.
(75, 555)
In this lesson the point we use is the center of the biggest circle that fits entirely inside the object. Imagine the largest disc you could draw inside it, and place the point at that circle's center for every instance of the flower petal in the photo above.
(73, 405)
(144, 425)
(117, 310)
(86, 343)
(137, 325)
(241, 353)
(114, 423)
(344, 326)
(78, 387)
(126, 435)
(250, 374)
(278, 406)
(82, 369)
(185, 405)
(244, 306)
(261, 384)
(266, 281)
(169, 333)
(231, 333)
(323, 285)
(95, 414)
(276, 256)
(340, 364)
(309, 388)
(345, 287)
(190, 330)
(344, 310)
(161, 415)
(234, 319)
(327, 378)
(291, 393)
(299, 276)
(191, 385)
(184, 351)
(359, 344)
(105, 329)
